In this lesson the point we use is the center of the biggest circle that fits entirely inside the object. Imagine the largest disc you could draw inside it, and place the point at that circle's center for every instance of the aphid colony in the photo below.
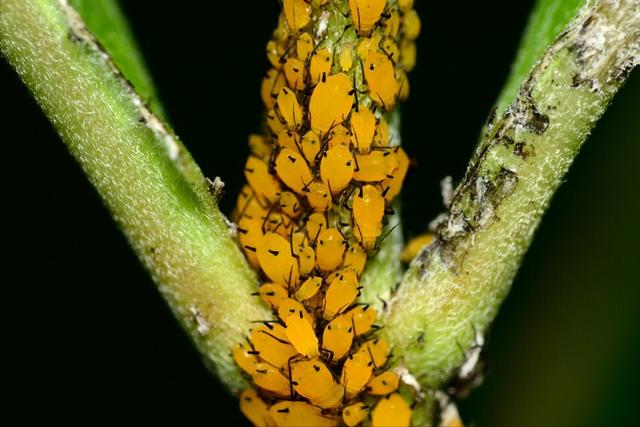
(320, 180)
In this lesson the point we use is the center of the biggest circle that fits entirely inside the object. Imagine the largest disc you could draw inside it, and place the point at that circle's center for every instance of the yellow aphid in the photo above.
(407, 54)
(331, 102)
(391, 411)
(293, 170)
(278, 223)
(403, 85)
(272, 294)
(376, 350)
(247, 204)
(365, 14)
(380, 77)
(245, 357)
(363, 127)
(310, 146)
(405, 5)
(254, 408)
(320, 65)
(318, 196)
(392, 185)
(308, 288)
(250, 236)
(313, 380)
(299, 414)
(411, 25)
(381, 138)
(294, 73)
(297, 13)
(270, 341)
(274, 53)
(289, 204)
(356, 373)
(315, 224)
(339, 135)
(290, 306)
(271, 85)
(353, 415)
(391, 25)
(274, 123)
(304, 46)
(346, 57)
(368, 45)
(264, 185)
(391, 49)
(336, 168)
(368, 210)
(259, 146)
(413, 247)
(289, 108)
(269, 378)
(337, 337)
(375, 166)
(362, 319)
(341, 293)
(305, 253)
(330, 247)
(385, 383)
(288, 139)
(355, 258)
(300, 333)
(277, 261)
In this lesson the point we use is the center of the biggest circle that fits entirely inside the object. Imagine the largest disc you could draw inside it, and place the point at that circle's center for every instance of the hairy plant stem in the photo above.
(144, 175)
(453, 288)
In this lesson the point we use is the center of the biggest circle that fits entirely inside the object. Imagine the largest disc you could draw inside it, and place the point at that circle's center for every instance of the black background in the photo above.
(88, 337)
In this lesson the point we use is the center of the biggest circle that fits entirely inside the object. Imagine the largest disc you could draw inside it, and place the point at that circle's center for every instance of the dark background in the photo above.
(89, 339)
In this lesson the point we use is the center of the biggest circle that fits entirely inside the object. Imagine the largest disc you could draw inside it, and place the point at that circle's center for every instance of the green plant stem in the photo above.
(455, 287)
(144, 175)
(107, 23)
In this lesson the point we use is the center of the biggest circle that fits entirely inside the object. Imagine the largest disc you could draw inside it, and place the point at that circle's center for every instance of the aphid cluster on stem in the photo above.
(320, 180)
